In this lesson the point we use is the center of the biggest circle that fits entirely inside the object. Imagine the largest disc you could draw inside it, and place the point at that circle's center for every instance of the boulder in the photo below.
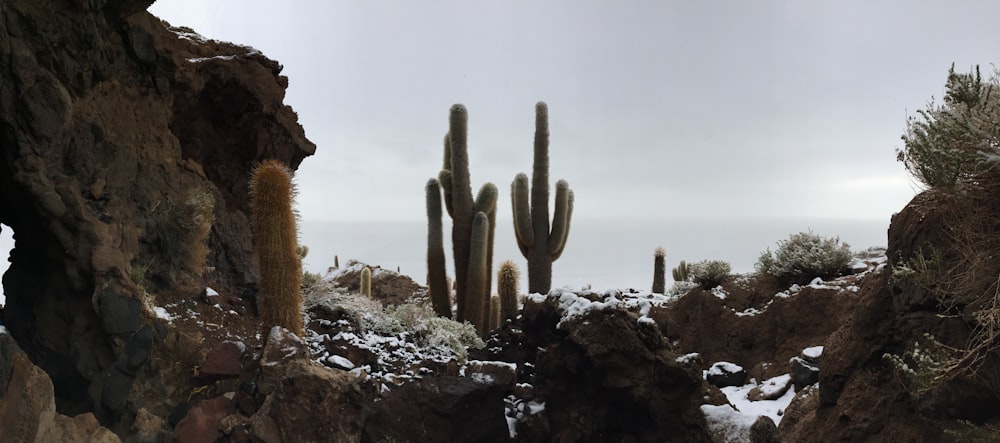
(722, 374)
(803, 372)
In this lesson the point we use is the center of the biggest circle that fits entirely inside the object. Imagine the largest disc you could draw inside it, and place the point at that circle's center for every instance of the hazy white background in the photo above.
(666, 111)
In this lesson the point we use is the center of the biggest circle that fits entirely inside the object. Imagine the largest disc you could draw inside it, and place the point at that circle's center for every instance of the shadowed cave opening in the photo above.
(47, 300)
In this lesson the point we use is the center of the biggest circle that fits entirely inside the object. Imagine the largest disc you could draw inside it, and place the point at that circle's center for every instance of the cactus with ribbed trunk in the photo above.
(437, 279)
(495, 319)
(507, 280)
(540, 245)
(659, 271)
(275, 239)
(680, 273)
(366, 282)
(472, 249)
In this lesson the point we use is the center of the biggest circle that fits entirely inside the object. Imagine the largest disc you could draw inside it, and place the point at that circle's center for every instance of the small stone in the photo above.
(723, 374)
(203, 421)
(222, 362)
(803, 372)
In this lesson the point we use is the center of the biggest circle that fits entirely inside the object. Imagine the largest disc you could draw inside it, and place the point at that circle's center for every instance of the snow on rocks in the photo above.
(722, 374)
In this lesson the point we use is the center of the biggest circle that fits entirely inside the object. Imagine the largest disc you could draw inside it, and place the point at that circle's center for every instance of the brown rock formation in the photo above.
(863, 397)
(108, 120)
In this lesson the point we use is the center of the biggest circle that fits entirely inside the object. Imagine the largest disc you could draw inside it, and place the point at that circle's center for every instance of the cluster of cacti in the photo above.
(366, 282)
(507, 280)
(540, 245)
(680, 273)
(275, 239)
(659, 271)
(302, 251)
(473, 222)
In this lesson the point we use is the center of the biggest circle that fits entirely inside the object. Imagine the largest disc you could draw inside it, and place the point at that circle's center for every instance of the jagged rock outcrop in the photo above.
(28, 405)
(601, 373)
(108, 121)
(861, 396)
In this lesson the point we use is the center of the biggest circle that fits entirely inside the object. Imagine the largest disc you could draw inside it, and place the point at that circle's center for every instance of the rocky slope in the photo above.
(109, 120)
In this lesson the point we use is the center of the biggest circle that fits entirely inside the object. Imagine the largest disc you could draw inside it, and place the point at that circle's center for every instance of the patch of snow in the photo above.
(479, 377)
(728, 423)
(773, 386)
(211, 292)
(748, 312)
(817, 283)
(535, 407)
(340, 362)
(3, 330)
(737, 395)
(646, 321)
(813, 352)
(162, 313)
(720, 292)
(723, 368)
(573, 306)
(686, 358)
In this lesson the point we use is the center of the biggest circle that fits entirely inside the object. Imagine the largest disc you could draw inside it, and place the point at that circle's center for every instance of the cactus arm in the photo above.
(486, 202)
(462, 213)
(522, 215)
(437, 278)
(366, 282)
(444, 177)
(556, 249)
(486, 199)
(477, 294)
(560, 220)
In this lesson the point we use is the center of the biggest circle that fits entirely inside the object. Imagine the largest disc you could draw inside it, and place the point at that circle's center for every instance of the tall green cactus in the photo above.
(437, 278)
(472, 235)
(659, 271)
(531, 227)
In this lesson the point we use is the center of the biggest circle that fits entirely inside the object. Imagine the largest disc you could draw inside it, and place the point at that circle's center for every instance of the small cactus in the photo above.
(507, 282)
(302, 251)
(336, 262)
(680, 273)
(366, 282)
(659, 271)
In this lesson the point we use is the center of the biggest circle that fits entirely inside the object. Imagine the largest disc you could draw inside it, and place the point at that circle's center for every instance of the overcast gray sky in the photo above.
(690, 109)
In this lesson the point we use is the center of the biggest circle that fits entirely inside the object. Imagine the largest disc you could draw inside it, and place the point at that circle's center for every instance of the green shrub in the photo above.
(805, 256)
(956, 142)
(708, 273)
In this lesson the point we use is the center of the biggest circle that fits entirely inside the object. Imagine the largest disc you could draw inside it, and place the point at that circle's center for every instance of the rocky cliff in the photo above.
(110, 120)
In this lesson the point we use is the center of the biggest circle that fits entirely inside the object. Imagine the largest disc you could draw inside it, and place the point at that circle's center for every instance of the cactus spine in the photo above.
(275, 240)
(366, 282)
(659, 271)
(680, 273)
(472, 235)
(437, 278)
(538, 244)
(507, 280)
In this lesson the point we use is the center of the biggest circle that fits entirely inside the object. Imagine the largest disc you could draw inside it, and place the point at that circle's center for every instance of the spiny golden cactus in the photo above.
(495, 319)
(507, 281)
(275, 239)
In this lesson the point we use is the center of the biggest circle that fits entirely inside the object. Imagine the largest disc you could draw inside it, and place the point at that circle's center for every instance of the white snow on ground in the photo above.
(813, 352)
(162, 313)
(686, 358)
(734, 424)
(719, 292)
(728, 423)
(773, 386)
